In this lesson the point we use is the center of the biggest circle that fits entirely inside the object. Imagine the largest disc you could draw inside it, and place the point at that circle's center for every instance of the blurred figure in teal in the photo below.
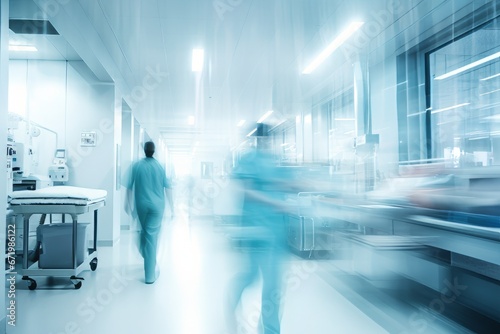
(262, 235)
(147, 187)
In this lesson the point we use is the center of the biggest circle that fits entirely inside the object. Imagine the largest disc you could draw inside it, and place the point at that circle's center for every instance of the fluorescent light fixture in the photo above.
(490, 77)
(469, 66)
(251, 132)
(266, 115)
(191, 120)
(197, 61)
(307, 118)
(241, 122)
(28, 48)
(449, 108)
(338, 41)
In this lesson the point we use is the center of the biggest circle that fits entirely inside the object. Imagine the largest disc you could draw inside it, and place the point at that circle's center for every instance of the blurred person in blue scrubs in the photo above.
(262, 234)
(147, 187)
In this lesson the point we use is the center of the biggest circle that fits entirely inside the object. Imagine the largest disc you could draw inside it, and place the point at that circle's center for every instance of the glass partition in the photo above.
(465, 99)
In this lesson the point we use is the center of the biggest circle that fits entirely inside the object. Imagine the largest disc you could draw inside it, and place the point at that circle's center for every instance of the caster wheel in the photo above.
(77, 281)
(32, 285)
(93, 264)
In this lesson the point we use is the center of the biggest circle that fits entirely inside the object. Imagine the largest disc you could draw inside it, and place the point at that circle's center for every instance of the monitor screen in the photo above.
(60, 154)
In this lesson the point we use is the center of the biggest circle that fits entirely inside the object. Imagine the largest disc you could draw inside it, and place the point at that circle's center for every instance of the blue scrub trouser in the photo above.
(268, 263)
(150, 219)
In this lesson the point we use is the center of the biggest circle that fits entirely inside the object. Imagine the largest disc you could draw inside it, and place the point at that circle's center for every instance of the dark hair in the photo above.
(149, 149)
(262, 130)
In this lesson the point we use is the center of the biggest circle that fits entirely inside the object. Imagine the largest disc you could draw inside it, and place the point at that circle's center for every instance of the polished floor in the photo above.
(188, 298)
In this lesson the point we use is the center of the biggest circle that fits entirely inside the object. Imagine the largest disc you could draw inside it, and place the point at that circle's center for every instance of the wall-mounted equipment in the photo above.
(22, 160)
(58, 171)
(88, 138)
(32, 182)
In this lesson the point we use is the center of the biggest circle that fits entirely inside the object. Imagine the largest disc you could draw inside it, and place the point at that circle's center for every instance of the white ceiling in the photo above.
(255, 51)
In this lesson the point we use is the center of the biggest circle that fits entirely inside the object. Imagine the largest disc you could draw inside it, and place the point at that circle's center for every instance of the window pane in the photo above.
(465, 93)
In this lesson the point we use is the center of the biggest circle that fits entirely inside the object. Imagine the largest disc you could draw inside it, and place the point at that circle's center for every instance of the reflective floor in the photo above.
(196, 263)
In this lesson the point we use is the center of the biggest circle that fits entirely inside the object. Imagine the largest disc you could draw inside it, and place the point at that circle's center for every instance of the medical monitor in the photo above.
(61, 154)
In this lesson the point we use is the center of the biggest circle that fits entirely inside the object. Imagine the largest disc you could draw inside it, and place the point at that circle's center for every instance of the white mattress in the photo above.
(58, 195)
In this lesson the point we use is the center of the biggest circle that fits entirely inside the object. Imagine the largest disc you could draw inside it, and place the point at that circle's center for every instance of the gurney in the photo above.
(73, 201)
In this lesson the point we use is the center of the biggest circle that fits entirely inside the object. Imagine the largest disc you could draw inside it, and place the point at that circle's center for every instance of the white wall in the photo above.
(126, 160)
(117, 189)
(60, 99)
(35, 104)
(91, 107)
(137, 149)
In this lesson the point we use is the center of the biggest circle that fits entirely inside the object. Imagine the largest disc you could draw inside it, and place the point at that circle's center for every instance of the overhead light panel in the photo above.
(191, 120)
(338, 41)
(469, 66)
(23, 48)
(240, 123)
(197, 61)
(266, 115)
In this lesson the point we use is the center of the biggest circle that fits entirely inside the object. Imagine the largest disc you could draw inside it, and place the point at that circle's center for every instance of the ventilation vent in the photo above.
(32, 27)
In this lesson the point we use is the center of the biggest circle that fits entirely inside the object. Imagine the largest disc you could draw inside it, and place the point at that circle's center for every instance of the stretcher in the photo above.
(69, 200)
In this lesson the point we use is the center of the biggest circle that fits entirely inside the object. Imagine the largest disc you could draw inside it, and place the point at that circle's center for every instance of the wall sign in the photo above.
(88, 138)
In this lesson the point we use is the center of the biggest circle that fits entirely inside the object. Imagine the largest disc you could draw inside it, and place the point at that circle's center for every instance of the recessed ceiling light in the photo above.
(25, 48)
(338, 41)
(197, 60)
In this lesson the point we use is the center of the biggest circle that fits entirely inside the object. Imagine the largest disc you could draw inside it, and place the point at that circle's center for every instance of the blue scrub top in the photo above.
(148, 180)
(258, 171)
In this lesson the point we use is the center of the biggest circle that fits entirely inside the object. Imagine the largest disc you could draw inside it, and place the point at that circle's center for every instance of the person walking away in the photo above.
(147, 188)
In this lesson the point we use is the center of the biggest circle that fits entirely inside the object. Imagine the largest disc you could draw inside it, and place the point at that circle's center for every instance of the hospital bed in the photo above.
(69, 200)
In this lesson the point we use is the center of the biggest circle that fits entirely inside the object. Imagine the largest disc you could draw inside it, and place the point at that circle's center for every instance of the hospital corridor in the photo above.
(250, 166)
